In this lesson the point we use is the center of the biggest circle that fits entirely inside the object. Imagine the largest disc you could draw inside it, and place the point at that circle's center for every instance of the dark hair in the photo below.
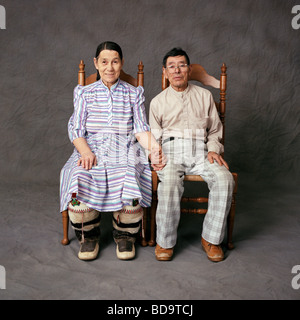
(174, 53)
(108, 45)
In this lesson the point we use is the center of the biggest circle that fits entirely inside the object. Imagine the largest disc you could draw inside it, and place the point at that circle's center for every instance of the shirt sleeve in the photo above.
(215, 130)
(76, 125)
(139, 113)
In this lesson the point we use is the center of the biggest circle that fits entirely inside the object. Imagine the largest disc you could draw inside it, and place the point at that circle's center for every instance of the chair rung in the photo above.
(193, 178)
(200, 200)
(198, 211)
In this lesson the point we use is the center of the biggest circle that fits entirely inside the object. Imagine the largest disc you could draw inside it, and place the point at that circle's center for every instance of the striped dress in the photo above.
(108, 120)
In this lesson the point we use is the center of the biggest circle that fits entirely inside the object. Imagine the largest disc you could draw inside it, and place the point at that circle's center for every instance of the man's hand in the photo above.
(212, 156)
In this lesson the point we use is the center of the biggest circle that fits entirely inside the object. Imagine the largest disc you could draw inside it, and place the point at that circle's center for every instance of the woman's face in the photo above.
(109, 66)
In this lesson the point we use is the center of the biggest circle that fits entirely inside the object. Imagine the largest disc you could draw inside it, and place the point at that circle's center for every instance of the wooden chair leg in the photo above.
(144, 243)
(65, 218)
(230, 223)
(231, 215)
(152, 241)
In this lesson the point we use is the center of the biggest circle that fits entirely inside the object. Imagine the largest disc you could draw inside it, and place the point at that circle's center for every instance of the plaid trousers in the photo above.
(190, 157)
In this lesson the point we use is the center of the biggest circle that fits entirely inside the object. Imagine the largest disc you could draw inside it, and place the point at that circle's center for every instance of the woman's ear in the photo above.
(96, 63)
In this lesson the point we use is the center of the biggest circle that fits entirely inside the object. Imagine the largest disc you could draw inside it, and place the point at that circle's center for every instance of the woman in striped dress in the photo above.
(108, 170)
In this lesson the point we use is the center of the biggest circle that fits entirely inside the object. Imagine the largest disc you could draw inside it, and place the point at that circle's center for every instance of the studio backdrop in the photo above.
(42, 43)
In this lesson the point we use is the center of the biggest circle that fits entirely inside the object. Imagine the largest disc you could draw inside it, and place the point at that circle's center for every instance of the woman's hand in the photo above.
(158, 159)
(87, 160)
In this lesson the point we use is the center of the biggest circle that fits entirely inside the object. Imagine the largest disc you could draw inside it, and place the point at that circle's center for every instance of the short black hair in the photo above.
(174, 53)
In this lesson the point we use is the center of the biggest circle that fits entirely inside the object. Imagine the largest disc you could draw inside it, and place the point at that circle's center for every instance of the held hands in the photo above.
(156, 156)
(212, 156)
(158, 159)
(87, 160)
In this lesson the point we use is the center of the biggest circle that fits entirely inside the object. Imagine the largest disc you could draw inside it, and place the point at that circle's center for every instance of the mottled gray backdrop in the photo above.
(44, 41)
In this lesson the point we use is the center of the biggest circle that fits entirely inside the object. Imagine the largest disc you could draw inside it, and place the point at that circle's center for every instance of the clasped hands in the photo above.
(158, 159)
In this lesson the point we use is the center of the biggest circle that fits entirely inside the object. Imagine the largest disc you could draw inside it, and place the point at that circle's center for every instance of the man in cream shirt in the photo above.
(185, 120)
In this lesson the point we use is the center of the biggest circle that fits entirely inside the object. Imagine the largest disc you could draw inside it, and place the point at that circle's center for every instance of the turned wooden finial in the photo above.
(141, 66)
(140, 74)
(81, 73)
(223, 68)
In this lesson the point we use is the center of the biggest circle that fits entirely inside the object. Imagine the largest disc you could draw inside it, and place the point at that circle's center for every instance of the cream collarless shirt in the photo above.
(190, 114)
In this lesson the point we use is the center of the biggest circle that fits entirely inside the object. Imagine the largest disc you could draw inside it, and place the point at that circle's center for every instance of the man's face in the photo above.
(177, 72)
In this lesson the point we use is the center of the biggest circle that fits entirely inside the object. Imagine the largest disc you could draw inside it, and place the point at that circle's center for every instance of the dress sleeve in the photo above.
(76, 125)
(139, 113)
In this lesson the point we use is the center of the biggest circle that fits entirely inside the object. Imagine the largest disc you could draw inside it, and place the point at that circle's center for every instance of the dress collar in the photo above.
(113, 87)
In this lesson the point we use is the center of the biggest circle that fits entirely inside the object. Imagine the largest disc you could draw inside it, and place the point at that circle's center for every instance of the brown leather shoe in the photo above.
(214, 253)
(162, 254)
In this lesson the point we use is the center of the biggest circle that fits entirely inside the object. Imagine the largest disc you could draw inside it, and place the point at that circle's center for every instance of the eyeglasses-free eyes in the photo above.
(172, 68)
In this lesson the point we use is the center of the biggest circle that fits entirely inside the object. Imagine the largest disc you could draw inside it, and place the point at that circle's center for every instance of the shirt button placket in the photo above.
(185, 111)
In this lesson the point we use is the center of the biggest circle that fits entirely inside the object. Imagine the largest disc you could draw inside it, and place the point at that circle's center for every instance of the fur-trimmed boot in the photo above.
(86, 224)
(126, 227)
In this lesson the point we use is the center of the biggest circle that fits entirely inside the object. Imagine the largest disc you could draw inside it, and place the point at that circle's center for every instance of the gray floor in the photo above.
(37, 266)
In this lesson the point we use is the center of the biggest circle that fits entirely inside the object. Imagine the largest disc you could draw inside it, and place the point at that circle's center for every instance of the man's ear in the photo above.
(190, 71)
(164, 70)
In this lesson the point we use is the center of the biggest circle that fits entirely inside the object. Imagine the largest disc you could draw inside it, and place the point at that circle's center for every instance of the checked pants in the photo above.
(190, 157)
